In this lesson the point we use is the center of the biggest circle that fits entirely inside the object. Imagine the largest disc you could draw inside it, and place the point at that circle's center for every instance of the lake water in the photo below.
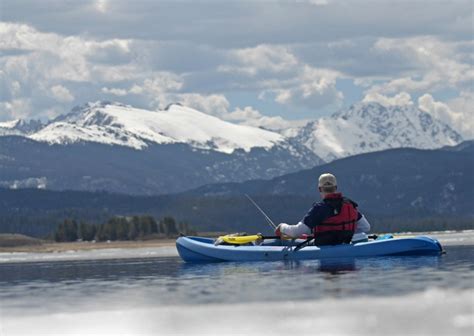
(151, 292)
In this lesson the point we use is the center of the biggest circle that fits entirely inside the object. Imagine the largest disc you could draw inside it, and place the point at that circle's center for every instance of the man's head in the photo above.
(327, 183)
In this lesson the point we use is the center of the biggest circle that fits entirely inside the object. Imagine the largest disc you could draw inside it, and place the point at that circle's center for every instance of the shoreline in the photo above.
(20, 243)
(54, 247)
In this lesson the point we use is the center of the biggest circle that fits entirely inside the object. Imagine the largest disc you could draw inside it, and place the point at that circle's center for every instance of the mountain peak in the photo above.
(119, 124)
(20, 127)
(171, 105)
(9, 124)
(375, 110)
(371, 126)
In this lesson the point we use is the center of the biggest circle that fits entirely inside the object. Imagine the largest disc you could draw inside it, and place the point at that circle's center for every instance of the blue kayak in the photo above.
(199, 250)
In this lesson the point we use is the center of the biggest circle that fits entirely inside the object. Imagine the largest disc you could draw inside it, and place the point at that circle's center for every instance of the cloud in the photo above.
(214, 104)
(436, 64)
(15, 109)
(261, 59)
(457, 112)
(115, 91)
(46, 68)
(101, 5)
(64, 58)
(284, 22)
(402, 99)
(158, 84)
(252, 117)
(61, 94)
(314, 88)
(279, 74)
(319, 2)
(460, 115)
(300, 55)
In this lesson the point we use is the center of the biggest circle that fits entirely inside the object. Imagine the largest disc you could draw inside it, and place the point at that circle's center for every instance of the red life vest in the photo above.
(344, 219)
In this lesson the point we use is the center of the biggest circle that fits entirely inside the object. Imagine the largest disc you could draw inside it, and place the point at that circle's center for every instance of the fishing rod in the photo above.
(269, 221)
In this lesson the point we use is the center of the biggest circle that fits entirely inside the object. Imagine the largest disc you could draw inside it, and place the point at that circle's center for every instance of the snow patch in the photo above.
(116, 124)
(9, 124)
(368, 127)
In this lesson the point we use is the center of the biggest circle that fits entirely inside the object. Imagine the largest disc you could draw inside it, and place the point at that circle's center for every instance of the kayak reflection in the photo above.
(332, 266)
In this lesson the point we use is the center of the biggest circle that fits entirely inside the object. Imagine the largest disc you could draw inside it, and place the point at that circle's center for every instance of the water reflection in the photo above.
(170, 281)
(107, 270)
(332, 266)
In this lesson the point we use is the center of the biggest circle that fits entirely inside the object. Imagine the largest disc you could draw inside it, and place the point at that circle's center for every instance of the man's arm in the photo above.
(363, 224)
(316, 215)
(294, 231)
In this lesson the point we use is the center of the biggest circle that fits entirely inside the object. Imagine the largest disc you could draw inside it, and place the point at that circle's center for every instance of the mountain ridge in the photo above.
(363, 127)
(369, 127)
(119, 124)
(396, 184)
(157, 169)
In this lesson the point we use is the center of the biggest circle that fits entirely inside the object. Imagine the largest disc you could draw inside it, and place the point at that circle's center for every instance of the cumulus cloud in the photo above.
(252, 117)
(279, 74)
(314, 88)
(46, 67)
(156, 89)
(261, 59)
(15, 109)
(61, 94)
(215, 104)
(298, 54)
(402, 99)
(436, 64)
(457, 112)
(460, 115)
(115, 91)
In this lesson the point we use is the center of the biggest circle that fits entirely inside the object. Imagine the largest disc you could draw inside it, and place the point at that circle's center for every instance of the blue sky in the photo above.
(255, 62)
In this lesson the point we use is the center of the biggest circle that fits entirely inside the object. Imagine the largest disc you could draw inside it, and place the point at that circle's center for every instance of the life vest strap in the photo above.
(338, 224)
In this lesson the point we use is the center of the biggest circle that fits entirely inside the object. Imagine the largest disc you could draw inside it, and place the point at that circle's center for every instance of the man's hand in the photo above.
(278, 230)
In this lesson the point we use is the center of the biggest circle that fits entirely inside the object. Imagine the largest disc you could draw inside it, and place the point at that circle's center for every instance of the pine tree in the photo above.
(60, 233)
(169, 226)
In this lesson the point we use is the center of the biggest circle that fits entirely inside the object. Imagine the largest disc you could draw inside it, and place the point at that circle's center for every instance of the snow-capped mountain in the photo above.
(114, 147)
(20, 127)
(369, 127)
(117, 124)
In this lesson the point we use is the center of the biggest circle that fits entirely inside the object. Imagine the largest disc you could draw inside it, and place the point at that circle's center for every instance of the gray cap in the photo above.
(327, 180)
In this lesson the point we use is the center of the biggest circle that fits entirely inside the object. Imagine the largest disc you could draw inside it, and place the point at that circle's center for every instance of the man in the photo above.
(333, 221)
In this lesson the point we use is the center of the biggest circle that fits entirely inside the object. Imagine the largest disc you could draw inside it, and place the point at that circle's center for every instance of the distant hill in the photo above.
(397, 184)
(438, 181)
(157, 169)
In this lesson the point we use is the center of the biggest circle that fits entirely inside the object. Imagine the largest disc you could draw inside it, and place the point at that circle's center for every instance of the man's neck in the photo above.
(335, 194)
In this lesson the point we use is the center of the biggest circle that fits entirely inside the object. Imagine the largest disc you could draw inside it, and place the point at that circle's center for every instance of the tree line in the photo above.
(121, 228)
